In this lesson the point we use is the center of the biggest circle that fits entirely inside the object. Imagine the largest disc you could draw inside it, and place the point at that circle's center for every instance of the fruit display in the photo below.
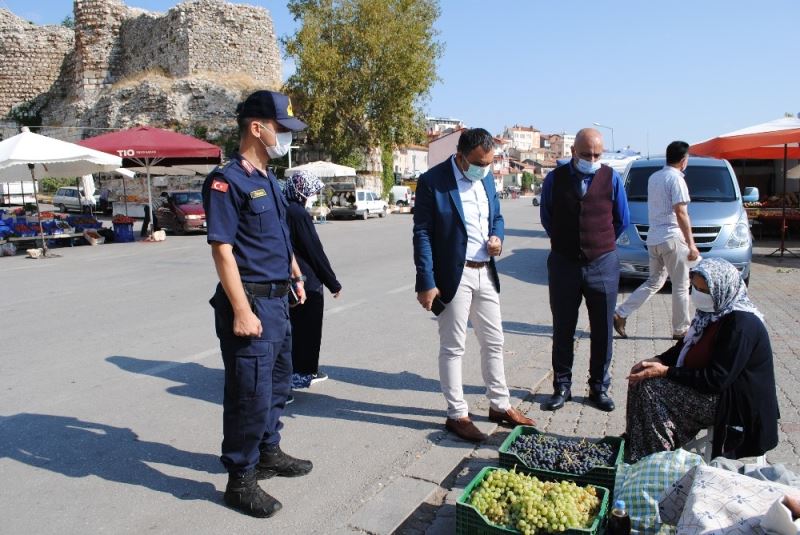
(525, 503)
(120, 219)
(563, 455)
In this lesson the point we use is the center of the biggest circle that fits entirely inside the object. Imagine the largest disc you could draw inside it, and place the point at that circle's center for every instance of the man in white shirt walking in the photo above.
(670, 243)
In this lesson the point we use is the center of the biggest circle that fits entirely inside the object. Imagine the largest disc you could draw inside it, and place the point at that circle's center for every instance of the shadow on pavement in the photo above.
(206, 384)
(545, 331)
(404, 380)
(307, 402)
(526, 265)
(525, 233)
(197, 381)
(76, 448)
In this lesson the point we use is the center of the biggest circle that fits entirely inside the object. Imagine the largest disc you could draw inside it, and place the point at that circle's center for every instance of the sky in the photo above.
(651, 71)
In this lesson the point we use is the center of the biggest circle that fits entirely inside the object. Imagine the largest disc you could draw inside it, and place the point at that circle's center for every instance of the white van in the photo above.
(401, 195)
(346, 200)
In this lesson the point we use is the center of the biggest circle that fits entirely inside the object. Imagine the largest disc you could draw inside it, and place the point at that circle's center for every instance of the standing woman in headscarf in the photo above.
(720, 374)
(307, 318)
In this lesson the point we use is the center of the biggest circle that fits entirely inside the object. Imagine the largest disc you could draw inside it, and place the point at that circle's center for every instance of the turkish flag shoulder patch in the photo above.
(219, 185)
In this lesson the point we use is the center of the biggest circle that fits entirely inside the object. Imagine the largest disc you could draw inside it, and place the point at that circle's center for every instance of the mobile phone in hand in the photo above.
(293, 299)
(438, 306)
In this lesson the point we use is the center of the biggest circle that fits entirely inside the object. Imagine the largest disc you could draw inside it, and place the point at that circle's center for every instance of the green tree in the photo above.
(527, 180)
(68, 22)
(364, 69)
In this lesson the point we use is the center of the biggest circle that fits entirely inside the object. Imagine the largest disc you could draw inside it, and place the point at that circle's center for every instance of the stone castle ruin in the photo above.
(184, 69)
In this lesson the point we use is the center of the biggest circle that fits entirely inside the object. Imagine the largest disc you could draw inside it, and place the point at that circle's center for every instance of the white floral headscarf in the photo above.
(729, 293)
(302, 185)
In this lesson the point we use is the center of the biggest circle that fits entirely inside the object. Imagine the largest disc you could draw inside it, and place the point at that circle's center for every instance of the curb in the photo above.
(397, 502)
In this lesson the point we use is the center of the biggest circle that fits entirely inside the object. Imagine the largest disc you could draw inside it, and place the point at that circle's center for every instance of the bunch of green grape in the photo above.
(525, 503)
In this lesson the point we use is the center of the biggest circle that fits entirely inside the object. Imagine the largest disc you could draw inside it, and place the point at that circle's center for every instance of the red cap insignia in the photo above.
(219, 185)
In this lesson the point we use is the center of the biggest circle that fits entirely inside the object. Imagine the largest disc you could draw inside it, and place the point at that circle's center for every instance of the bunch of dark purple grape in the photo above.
(561, 455)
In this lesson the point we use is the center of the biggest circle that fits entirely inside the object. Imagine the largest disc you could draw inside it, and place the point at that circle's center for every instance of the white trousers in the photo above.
(476, 300)
(666, 259)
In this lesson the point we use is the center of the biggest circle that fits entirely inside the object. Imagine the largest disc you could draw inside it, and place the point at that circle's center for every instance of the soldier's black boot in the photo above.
(244, 494)
(274, 462)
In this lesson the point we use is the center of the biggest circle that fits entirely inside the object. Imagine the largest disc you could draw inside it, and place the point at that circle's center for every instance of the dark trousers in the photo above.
(571, 281)
(258, 380)
(307, 333)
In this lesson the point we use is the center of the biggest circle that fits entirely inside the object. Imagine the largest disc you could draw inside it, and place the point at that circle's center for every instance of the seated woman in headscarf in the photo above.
(719, 375)
(306, 319)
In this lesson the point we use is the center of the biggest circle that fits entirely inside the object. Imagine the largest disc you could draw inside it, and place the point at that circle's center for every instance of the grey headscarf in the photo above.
(729, 293)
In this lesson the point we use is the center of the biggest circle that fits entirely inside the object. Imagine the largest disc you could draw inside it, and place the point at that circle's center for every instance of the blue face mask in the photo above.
(475, 172)
(586, 167)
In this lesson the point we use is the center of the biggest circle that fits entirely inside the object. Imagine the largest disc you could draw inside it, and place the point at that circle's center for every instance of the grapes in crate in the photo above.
(522, 502)
(561, 455)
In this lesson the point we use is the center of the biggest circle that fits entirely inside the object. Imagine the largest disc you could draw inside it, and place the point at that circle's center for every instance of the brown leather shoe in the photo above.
(464, 428)
(619, 325)
(511, 415)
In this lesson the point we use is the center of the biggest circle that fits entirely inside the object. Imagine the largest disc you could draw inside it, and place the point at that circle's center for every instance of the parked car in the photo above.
(71, 198)
(719, 220)
(349, 201)
(401, 195)
(181, 211)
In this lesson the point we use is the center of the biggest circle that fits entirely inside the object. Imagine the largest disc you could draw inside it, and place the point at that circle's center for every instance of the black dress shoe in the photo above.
(557, 400)
(274, 462)
(602, 401)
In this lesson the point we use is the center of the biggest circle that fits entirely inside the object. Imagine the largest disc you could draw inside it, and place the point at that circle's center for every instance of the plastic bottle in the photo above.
(619, 523)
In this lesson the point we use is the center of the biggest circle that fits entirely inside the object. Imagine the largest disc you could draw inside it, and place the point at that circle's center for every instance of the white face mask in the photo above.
(283, 141)
(586, 167)
(702, 301)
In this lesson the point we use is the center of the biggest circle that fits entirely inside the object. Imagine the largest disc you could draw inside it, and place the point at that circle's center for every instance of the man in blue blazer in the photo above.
(458, 230)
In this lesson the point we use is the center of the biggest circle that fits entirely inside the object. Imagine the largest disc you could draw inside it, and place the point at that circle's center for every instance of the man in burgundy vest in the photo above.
(584, 210)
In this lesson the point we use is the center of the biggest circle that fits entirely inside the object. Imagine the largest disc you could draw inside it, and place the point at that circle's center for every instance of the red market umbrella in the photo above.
(147, 147)
(772, 140)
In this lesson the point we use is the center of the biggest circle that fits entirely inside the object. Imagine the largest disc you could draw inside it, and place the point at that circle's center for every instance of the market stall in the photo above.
(152, 150)
(773, 140)
(40, 157)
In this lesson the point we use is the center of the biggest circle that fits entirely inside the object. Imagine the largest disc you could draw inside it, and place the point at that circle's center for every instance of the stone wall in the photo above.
(152, 42)
(123, 66)
(31, 58)
(232, 39)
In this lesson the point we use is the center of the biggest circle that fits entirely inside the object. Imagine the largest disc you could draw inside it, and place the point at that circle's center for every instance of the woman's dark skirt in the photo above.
(307, 333)
(663, 415)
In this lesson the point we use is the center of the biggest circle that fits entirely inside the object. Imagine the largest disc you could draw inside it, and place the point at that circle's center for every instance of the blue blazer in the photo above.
(440, 234)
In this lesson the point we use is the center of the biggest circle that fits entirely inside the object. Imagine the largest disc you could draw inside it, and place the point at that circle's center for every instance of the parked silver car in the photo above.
(719, 220)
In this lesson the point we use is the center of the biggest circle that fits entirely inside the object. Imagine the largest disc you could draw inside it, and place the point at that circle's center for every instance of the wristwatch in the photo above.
(301, 278)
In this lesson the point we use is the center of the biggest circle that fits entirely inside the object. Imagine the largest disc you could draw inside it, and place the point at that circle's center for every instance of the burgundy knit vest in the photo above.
(582, 228)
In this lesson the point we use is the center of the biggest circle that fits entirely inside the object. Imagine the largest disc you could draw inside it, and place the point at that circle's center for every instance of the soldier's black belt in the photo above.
(266, 289)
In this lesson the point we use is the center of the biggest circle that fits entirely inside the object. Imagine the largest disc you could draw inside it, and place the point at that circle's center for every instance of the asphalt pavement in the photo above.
(111, 387)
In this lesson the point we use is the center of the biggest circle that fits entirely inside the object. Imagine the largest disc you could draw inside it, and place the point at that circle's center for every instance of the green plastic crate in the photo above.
(601, 476)
(470, 522)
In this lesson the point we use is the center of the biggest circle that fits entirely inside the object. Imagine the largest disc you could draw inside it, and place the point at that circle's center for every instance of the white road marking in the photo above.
(401, 289)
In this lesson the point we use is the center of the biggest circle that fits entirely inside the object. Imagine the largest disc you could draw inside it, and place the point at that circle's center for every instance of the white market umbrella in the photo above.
(46, 157)
(323, 169)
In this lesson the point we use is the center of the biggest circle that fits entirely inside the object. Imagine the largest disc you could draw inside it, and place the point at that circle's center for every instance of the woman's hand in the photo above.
(638, 366)
(647, 369)
(337, 294)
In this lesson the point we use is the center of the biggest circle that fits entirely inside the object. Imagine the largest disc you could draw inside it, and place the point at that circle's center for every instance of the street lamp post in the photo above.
(613, 148)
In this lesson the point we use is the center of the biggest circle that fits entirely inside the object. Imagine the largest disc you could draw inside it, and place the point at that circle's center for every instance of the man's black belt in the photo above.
(267, 289)
(475, 265)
